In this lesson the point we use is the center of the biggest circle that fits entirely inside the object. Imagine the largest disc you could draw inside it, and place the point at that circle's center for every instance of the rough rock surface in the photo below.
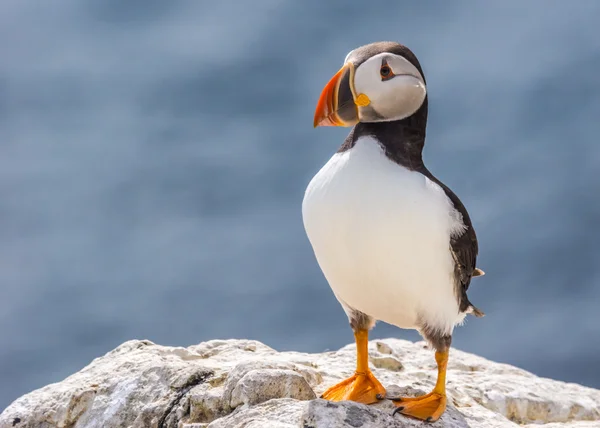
(243, 383)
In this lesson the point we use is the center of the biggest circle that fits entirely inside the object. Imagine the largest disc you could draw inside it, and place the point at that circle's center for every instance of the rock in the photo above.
(244, 383)
(258, 386)
(384, 348)
(277, 413)
(207, 403)
(321, 413)
(387, 362)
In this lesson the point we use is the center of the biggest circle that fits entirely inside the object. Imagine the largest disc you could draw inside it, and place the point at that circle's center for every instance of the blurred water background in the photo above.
(154, 155)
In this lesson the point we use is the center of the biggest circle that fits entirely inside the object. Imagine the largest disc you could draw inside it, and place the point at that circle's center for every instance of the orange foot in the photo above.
(361, 387)
(428, 407)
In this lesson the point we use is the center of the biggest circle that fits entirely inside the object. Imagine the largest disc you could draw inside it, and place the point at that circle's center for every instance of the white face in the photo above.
(394, 86)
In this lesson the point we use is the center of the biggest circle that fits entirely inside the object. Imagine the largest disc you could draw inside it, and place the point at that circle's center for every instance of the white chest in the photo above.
(381, 235)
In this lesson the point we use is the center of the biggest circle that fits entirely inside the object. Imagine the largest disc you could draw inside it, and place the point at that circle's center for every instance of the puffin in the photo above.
(394, 243)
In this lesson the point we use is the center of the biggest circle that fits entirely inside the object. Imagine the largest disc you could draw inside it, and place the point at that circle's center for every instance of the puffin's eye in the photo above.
(386, 72)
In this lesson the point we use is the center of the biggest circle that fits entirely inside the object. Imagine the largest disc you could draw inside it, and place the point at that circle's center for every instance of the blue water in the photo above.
(153, 158)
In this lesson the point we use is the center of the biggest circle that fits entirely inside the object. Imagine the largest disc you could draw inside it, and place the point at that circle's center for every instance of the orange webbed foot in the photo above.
(360, 387)
(428, 407)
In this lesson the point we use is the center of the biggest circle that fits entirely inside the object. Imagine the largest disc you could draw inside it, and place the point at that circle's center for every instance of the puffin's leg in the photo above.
(431, 406)
(362, 386)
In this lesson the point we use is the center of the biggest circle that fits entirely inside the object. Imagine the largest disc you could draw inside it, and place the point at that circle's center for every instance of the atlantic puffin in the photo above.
(394, 243)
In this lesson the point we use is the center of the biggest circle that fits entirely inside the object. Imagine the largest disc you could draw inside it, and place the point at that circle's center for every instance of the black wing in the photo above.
(464, 250)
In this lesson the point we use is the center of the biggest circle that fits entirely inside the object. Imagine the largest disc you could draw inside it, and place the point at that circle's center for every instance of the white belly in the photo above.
(381, 235)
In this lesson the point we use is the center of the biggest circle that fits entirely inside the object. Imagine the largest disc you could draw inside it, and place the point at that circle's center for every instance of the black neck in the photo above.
(402, 140)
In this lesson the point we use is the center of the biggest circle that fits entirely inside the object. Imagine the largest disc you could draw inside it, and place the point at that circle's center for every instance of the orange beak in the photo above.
(336, 104)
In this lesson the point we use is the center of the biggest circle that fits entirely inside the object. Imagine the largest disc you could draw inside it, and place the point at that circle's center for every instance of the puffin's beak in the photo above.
(336, 104)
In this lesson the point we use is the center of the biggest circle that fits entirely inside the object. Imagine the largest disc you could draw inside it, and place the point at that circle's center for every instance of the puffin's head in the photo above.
(380, 82)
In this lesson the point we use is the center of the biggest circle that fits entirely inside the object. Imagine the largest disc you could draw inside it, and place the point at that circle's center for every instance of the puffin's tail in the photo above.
(475, 311)
(478, 272)
(472, 308)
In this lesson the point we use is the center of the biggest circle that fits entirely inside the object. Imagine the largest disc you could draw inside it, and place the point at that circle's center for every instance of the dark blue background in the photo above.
(154, 155)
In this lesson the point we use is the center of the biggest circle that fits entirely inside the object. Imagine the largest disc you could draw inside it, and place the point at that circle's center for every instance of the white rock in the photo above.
(243, 383)
(387, 362)
(258, 386)
(207, 403)
(278, 413)
(321, 413)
